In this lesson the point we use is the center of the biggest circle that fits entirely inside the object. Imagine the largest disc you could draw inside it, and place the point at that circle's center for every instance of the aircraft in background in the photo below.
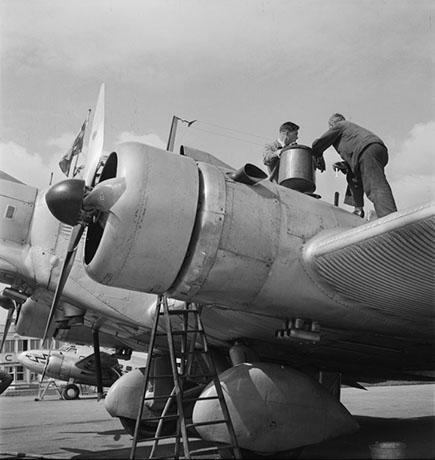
(76, 365)
(312, 292)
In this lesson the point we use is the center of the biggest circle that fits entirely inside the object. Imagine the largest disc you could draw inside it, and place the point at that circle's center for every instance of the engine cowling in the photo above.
(151, 222)
(273, 408)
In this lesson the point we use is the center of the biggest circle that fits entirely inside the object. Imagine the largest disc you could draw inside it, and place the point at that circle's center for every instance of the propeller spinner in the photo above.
(64, 200)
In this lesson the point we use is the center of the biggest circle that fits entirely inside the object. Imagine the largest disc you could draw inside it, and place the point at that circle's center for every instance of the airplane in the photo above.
(298, 296)
(76, 365)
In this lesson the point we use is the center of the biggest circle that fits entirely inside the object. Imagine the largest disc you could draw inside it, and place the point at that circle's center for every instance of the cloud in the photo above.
(63, 142)
(26, 166)
(411, 170)
(149, 38)
(30, 168)
(416, 155)
(150, 139)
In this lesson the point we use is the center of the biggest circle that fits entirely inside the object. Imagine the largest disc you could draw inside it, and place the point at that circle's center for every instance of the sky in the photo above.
(239, 67)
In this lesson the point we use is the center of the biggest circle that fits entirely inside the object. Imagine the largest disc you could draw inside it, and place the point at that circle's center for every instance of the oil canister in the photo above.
(296, 169)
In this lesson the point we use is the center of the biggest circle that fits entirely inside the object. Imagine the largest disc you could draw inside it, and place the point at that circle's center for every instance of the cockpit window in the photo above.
(68, 348)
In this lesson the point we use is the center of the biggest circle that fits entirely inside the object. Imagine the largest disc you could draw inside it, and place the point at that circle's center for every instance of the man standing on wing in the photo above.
(366, 155)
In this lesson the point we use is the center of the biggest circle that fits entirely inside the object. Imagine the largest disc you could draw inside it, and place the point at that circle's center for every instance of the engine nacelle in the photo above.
(273, 408)
(186, 228)
(152, 221)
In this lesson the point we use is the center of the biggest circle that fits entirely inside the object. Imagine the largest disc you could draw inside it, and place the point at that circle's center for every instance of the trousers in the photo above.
(371, 167)
(354, 192)
(370, 179)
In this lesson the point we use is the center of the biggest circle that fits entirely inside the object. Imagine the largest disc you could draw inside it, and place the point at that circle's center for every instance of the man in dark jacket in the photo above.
(366, 155)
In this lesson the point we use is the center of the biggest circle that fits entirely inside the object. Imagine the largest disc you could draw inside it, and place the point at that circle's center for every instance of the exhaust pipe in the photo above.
(248, 174)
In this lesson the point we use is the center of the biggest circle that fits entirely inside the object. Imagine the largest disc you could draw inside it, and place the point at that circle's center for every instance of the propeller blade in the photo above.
(18, 309)
(105, 194)
(7, 326)
(76, 234)
(96, 140)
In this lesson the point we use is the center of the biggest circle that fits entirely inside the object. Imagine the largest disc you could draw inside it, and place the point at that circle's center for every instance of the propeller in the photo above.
(9, 305)
(66, 201)
(96, 140)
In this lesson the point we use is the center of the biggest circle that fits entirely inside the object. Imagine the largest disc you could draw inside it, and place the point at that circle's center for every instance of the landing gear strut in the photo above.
(98, 363)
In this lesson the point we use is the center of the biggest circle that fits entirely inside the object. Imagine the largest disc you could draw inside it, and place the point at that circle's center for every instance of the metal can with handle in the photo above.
(296, 169)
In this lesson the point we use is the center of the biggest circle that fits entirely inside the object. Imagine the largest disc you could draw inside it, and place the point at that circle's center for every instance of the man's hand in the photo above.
(341, 166)
(319, 163)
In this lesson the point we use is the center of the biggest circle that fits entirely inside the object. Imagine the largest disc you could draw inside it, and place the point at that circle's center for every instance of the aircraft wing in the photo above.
(386, 265)
(381, 275)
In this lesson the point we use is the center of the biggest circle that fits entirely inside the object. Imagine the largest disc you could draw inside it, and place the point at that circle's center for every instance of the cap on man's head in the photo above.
(288, 126)
(336, 117)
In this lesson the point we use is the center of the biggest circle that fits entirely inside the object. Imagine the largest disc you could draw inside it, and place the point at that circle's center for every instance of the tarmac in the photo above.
(82, 429)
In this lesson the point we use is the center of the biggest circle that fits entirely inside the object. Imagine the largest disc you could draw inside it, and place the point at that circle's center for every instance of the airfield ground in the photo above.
(82, 429)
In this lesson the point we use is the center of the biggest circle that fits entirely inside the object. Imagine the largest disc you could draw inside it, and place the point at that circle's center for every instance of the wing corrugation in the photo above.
(389, 269)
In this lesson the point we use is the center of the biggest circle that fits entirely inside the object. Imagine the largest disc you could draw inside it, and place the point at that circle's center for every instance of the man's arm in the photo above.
(321, 144)
(271, 152)
(325, 141)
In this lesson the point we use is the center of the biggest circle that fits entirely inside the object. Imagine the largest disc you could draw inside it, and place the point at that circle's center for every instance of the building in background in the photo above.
(15, 344)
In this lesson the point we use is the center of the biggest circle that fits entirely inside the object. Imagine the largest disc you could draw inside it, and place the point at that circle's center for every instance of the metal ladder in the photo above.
(188, 350)
(45, 387)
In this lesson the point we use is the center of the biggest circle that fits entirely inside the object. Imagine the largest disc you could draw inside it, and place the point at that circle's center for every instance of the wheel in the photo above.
(71, 391)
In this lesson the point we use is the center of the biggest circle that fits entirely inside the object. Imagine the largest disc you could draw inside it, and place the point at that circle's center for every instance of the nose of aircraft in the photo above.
(22, 358)
(33, 360)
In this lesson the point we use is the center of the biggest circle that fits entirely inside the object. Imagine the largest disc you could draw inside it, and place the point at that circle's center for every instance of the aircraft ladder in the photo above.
(50, 383)
(189, 337)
